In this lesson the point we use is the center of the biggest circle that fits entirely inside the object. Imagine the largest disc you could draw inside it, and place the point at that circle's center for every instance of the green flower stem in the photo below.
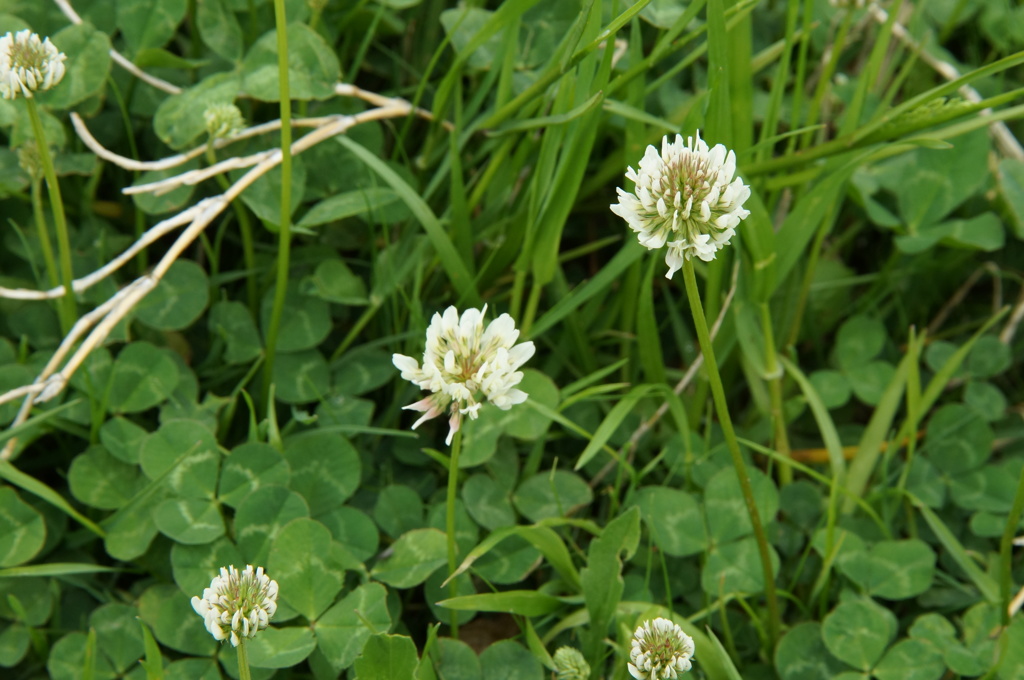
(718, 393)
(44, 233)
(1006, 549)
(245, 227)
(243, 661)
(774, 375)
(284, 240)
(67, 310)
(453, 557)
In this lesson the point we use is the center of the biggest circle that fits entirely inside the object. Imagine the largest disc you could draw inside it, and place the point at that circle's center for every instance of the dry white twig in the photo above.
(380, 101)
(102, 320)
(119, 58)
(182, 158)
(1005, 139)
(80, 285)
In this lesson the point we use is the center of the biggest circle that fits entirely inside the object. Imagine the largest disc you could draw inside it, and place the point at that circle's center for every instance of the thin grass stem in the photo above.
(825, 77)
(1006, 549)
(453, 555)
(808, 278)
(774, 375)
(44, 233)
(284, 241)
(67, 311)
(722, 408)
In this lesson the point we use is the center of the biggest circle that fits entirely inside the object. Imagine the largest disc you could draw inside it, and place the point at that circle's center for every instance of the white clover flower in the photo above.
(237, 604)
(660, 650)
(686, 198)
(223, 120)
(570, 664)
(461, 360)
(28, 64)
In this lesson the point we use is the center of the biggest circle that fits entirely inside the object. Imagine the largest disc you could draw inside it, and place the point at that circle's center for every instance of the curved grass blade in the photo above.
(446, 252)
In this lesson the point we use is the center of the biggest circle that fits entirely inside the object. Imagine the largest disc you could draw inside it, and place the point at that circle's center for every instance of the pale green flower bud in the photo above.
(223, 120)
(570, 664)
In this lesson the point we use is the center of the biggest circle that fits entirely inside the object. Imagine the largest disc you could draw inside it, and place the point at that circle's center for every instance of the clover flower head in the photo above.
(848, 4)
(223, 120)
(28, 64)
(686, 198)
(238, 603)
(461, 361)
(660, 650)
(570, 664)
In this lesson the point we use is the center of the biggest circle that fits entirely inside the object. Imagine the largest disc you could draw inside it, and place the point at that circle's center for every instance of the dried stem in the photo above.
(96, 325)
(119, 58)
(1005, 139)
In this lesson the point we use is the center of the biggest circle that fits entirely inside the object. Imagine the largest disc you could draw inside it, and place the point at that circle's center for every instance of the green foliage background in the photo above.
(884, 241)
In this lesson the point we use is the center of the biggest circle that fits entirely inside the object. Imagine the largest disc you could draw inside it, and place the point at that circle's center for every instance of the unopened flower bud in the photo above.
(570, 664)
(223, 120)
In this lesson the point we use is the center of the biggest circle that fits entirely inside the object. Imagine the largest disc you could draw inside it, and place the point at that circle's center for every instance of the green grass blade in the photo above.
(446, 252)
(983, 582)
(722, 656)
(56, 569)
(37, 488)
(153, 663)
(648, 340)
(541, 537)
(13, 432)
(631, 252)
(870, 447)
(611, 423)
(548, 121)
(948, 88)
(800, 225)
(89, 660)
(718, 127)
(867, 79)
(826, 428)
(521, 602)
